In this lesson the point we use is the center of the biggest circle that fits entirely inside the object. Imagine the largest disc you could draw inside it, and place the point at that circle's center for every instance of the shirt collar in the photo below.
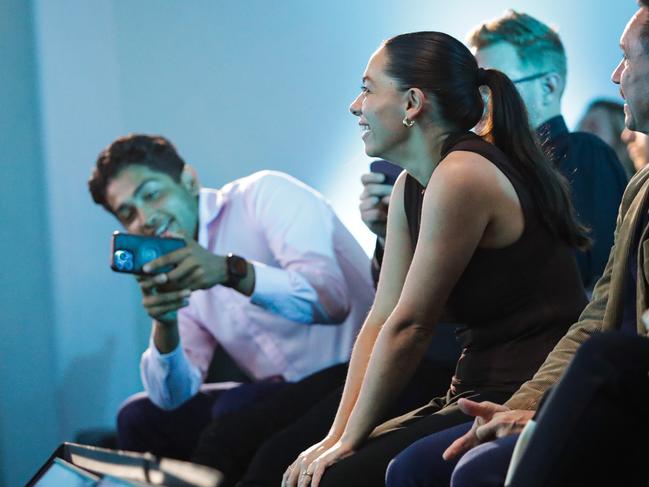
(210, 203)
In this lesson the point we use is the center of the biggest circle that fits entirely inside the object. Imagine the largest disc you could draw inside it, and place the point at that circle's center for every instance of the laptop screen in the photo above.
(62, 473)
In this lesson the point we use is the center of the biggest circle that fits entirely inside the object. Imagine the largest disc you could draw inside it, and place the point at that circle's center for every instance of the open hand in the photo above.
(492, 421)
(483, 413)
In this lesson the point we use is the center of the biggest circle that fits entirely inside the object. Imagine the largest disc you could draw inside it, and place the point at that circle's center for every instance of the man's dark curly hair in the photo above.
(152, 151)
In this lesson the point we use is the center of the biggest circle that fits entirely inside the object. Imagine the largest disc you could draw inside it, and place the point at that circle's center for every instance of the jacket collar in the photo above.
(553, 128)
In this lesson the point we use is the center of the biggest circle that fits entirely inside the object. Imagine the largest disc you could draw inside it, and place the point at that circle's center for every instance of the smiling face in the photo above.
(148, 202)
(632, 74)
(380, 108)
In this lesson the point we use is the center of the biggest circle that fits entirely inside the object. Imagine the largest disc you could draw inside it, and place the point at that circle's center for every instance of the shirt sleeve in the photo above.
(172, 378)
(307, 285)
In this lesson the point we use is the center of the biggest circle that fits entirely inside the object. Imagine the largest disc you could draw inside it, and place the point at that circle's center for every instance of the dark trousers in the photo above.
(367, 467)
(254, 447)
(593, 429)
(422, 465)
(143, 426)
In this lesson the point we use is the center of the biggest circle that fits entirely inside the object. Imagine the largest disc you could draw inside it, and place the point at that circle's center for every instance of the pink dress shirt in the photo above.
(312, 292)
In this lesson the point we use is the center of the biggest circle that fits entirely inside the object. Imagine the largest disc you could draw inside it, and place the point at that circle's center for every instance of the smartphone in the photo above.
(130, 252)
(391, 171)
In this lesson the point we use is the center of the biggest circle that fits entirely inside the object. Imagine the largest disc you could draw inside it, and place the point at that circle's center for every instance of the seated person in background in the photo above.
(374, 203)
(605, 119)
(533, 57)
(637, 146)
(592, 429)
(269, 273)
(469, 222)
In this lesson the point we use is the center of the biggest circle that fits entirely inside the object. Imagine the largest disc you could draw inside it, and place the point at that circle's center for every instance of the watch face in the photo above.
(237, 266)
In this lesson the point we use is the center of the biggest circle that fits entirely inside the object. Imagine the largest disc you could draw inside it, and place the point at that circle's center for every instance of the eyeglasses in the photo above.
(530, 78)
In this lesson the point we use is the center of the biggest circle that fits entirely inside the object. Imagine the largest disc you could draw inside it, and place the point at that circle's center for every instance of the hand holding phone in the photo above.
(375, 198)
(389, 170)
(191, 267)
(130, 253)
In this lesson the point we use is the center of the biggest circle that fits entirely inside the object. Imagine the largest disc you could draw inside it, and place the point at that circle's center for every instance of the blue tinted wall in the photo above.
(239, 87)
(29, 426)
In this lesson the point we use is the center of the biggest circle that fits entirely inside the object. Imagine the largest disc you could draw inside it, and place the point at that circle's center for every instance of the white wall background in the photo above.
(239, 87)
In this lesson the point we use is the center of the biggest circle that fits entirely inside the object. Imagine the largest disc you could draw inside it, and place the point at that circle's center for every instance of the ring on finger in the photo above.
(162, 278)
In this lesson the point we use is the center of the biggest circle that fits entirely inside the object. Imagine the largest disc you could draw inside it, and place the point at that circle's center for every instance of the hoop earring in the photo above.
(407, 123)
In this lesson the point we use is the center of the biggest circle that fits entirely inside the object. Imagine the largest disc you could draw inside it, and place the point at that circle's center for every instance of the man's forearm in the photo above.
(165, 336)
(311, 294)
(169, 378)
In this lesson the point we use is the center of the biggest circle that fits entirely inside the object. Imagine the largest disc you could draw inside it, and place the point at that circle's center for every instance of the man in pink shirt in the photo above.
(269, 273)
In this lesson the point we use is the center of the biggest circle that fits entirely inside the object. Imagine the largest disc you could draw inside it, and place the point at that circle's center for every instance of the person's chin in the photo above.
(629, 121)
(633, 122)
(371, 150)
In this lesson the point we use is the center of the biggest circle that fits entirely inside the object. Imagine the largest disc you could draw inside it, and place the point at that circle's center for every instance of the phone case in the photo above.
(391, 171)
(130, 252)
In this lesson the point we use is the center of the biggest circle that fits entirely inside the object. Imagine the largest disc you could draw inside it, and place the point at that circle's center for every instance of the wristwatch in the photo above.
(237, 269)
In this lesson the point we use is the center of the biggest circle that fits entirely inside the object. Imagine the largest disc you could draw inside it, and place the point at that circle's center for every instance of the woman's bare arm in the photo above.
(458, 208)
(398, 254)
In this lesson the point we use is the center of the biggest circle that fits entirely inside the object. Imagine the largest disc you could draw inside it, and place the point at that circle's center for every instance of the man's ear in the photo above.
(552, 86)
(414, 103)
(189, 179)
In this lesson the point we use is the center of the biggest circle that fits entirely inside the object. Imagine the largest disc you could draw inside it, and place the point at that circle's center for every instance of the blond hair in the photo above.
(536, 43)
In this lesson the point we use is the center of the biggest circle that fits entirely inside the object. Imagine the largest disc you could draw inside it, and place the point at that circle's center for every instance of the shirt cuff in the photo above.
(287, 294)
(269, 283)
(167, 360)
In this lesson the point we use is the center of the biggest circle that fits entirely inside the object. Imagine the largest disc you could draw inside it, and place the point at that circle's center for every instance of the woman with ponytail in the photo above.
(480, 227)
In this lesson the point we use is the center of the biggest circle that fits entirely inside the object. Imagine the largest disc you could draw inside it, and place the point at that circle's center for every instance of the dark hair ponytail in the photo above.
(445, 69)
(507, 127)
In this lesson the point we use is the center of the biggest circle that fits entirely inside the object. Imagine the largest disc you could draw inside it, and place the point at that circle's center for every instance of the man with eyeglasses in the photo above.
(532, 55)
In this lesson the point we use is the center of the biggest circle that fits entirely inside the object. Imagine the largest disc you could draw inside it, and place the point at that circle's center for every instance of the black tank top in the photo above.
(515, 302)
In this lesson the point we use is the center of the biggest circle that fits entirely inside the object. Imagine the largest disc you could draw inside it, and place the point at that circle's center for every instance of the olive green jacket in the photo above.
(606, 308)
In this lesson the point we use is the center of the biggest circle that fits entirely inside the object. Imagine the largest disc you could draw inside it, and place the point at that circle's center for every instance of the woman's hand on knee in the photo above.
(316, 469)
(297, 471)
